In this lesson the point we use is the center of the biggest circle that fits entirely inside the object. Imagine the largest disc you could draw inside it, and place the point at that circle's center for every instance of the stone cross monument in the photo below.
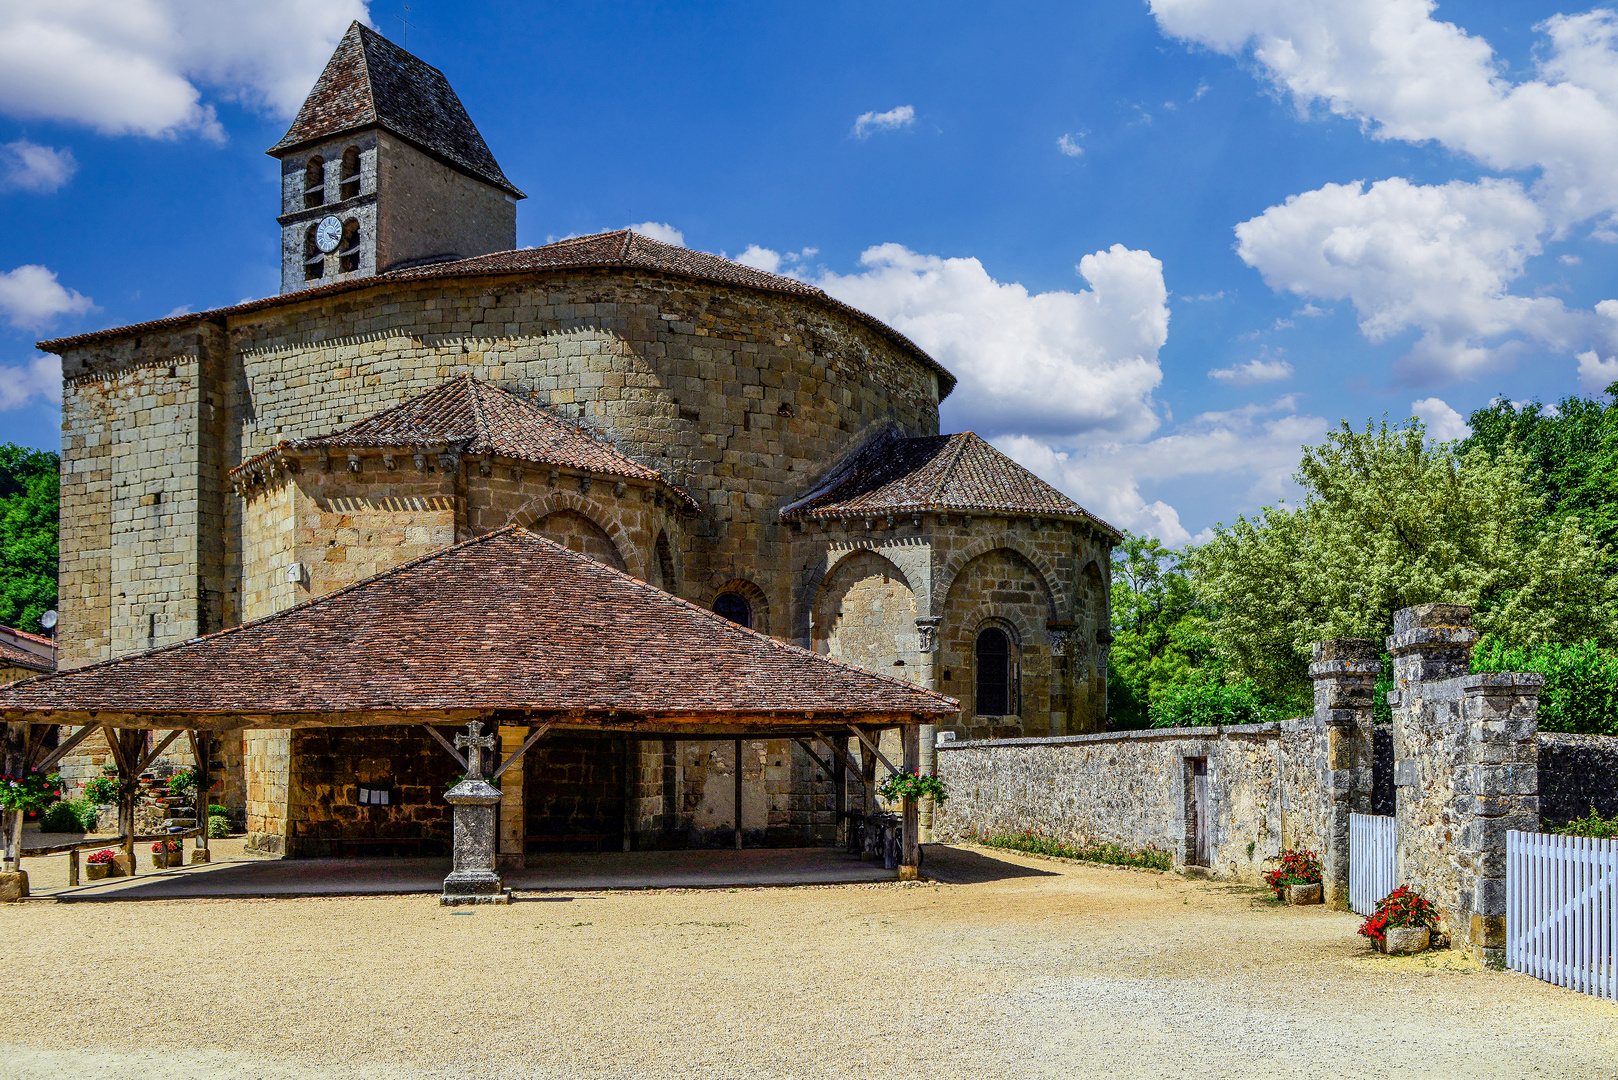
(472, 878)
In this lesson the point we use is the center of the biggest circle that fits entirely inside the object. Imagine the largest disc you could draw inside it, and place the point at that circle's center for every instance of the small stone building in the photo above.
(24, 655)
(736, 438)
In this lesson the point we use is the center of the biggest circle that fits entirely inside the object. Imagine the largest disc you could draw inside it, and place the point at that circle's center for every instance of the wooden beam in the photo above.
(117, 747)
(738, 794)
(36, 741)
(66, 748)
(825, 768)
(158, 749)
(842, 755)
(446, 744)
(533, 737)
(866, 739)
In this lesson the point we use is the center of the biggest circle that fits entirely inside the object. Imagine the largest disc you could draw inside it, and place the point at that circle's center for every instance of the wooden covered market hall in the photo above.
(490, 699)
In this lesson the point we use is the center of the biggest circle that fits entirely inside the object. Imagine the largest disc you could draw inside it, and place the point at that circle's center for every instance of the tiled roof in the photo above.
(953, 473)
(507, 621)
(620, 249)
(14, 655)
(371, 82)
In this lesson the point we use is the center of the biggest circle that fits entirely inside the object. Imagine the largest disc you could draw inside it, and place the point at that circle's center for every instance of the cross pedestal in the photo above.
(472, 878)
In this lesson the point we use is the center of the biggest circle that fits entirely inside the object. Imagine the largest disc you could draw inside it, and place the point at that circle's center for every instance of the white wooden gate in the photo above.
(1373, 841)
(1562, 910)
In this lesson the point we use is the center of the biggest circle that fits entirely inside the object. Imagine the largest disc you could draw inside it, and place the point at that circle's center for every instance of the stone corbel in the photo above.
(421, 462)
(1061, 635)
(449, 461)
(389, 462)
(618, 489)
(584, 485)
(325, 462)
(486, 466)
(927, 633)
(353, 463)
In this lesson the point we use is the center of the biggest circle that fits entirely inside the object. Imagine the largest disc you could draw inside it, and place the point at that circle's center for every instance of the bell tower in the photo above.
(383, 169)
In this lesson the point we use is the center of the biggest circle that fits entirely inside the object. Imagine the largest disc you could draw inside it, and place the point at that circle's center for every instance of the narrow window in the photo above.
(314, 182)
(351, 172)
(665, 563)
(348, 253)
(314, 261)
(734, 607)
(993, 696)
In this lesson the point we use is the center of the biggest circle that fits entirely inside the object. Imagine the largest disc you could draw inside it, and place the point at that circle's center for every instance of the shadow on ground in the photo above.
(961, 866)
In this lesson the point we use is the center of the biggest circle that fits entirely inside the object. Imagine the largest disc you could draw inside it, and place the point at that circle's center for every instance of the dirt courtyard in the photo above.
(1020, 968)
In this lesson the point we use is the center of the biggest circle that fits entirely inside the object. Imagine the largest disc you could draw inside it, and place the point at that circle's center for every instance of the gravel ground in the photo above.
(1022, 968)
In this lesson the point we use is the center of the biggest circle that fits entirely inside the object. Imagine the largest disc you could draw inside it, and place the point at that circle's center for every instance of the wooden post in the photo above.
(200, 748)
(839, 780)
(872, 848)
(631, 757)
(73, 867)
(738, 794)
(910, 851)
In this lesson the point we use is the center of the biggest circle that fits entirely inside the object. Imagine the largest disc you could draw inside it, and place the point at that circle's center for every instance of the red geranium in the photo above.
(1403, 907)
(1297, 868)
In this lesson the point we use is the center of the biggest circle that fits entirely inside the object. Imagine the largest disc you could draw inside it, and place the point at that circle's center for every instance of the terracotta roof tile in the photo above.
(507, 621)
(371, 82)
(622, 248)
(13, 655)
(953, 473)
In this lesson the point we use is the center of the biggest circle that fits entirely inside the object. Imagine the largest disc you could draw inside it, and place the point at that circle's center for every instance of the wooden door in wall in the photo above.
(1200, 809)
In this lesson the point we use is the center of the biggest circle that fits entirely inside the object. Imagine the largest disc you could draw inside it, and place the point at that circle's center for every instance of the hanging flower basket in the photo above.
(30, 792)
(909, 785)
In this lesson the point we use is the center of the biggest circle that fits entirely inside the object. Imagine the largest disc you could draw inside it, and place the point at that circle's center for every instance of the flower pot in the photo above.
(97, 870)
(160, 860)
(1405, 940)
(1305, 894)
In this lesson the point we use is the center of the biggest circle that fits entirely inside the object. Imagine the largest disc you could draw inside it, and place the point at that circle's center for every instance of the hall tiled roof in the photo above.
(14, 655)
(937, 473)
(621, 249)
(371, 82)
(508, 621)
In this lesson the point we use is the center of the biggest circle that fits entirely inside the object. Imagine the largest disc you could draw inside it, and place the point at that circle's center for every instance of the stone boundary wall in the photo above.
(1130, 788)
(1576, 772)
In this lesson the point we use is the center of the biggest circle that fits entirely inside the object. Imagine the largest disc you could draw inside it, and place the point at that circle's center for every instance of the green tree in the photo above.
(1388, 521)
(1160, 632)
(1571, 453)
(30, 485)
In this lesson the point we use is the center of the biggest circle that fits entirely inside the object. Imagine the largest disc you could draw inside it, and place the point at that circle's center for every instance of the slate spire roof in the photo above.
(371, 82)
(508, 621)
(958, 473)
(475, 419)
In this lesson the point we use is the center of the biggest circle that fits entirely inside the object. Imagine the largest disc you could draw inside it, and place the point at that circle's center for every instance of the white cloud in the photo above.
(1434, 258)
(787, 263)
(1569, 260)
(1069, 362)
(1257, 370)
(27, 166)
(1310, 311)
(21, 384)
(1406, 76)
(660, 230)
(1256, 446)
(31, 297)
(892, 120)
(1596, 374)
(1443, 422)
(141, 66)
(1069, 145)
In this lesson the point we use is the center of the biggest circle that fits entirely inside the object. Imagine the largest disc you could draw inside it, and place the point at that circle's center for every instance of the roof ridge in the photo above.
(365, 63)
(623, 249)
(480, 426)
(937, 492)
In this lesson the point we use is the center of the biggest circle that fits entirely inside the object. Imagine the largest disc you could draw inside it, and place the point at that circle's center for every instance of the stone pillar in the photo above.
(1431, 642)
(513, 819)
(1344, 671)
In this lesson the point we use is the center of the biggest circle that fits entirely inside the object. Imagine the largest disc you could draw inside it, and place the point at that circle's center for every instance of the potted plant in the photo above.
(29, 792)
(903, 786)
(167, 853)
(1402, 923)
(1297, 879)
(99, 865)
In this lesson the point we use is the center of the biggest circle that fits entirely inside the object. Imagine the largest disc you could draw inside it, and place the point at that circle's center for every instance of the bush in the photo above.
(1297, 868)
(1403, 907)
(1204, 702)
(102, 790)
(1595, 826)
(183, 782)
(218, 826)
(215, 810)
(1581, 682)
(70, 815)
(1107, 854)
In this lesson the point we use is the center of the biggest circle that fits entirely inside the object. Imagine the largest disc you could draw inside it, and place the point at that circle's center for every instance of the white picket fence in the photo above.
(1373, 842)
(1562, 910)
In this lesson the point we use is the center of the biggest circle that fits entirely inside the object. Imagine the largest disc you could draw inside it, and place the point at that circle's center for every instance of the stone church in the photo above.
(736, 438)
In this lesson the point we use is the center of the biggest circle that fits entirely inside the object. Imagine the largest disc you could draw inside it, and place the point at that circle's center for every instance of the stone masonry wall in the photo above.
(1128, 788)
(332, 764)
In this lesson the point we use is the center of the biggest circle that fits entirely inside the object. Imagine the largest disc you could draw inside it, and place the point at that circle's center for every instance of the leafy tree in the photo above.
(1388, 521)
(1204, 700)
(1160, 631)
(1571, 453)
(1581, 682)
(30, 486)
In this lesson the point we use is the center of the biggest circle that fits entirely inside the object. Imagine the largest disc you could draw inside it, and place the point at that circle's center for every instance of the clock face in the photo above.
(329, 234)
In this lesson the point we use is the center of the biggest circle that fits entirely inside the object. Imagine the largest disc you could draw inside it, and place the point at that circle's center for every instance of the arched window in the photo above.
(314, 260)
(351, 172)
(348, 252)
(314, 182)
(734, 606)
(994, 683)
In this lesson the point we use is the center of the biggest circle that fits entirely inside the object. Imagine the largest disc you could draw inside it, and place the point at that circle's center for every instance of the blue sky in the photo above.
(1162, 245)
